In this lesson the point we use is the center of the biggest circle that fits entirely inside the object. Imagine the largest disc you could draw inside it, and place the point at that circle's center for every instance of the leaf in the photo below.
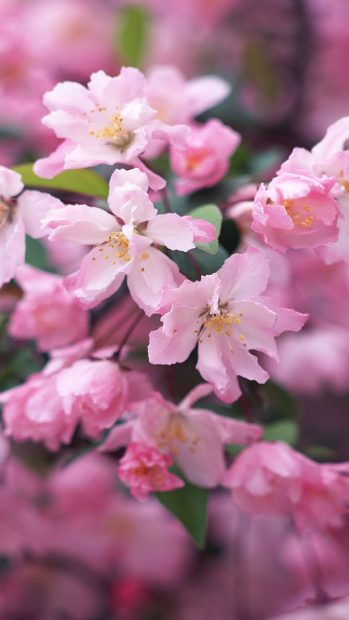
(86, 182)
(283, 430)
(195, 263)
(36, 255)
(211, 214)
(132, 35)
(189, 506)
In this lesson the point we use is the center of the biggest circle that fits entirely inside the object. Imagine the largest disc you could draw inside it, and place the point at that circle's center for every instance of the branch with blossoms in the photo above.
(146, 343)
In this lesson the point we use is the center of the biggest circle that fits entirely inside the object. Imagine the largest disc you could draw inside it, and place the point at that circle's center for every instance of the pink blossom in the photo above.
(126, 243)
(227, 316)
(109, 122)
(47, 312)
(296, 211)
(93, 391)
(205, 160)
(336, 610)
(271, 478)
(17, 216)
(178, 100)
(145, 469)
(194, 438)
(34, 411)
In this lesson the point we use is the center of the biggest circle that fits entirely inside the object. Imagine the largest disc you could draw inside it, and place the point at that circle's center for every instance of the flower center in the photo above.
(5, 213)
(114, 133)
(301, 215)
(116, 241)
(175, 432)
(221, 320)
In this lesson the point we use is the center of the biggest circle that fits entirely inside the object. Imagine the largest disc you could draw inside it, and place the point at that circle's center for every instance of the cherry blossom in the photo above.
(145, 469)
(47, 312)
(296, 211)
(110, 121)
(205, 160)
(193, 437)
(126, 243)
(227, 316)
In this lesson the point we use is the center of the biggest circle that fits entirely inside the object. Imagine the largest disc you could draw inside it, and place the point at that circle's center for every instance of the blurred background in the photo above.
(72, 545)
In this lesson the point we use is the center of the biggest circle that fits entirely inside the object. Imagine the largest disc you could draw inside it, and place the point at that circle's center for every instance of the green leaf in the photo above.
(283, 430)
(36, 255)
(189, 506)
(85, 182)
(211, 214)
(132, 36)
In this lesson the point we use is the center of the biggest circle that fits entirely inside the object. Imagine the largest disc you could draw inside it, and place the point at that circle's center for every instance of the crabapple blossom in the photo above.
(205, 160)
(194, 438)
(47, 312)
(296, 211)
(125, 243)
(70, 390)
(178, 100)
(273, 479)
(18, 215)
(95, 392)
(227, 316)
(109, 122)
(144, 469)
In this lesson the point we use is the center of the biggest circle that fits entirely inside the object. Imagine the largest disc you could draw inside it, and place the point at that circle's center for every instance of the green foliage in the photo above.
(196, 263)
(36, 255)
(212, 214)
(282, 430)
(87, 182)
(189, 506)
(132, 35)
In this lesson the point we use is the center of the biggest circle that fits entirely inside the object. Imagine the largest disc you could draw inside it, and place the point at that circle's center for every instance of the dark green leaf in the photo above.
(189, 506)
(85, 182)
(209, 213)
(279, 403)
(35, 254)
(283, 430)
(132, 37)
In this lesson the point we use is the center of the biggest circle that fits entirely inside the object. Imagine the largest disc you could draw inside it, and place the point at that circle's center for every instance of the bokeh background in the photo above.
(72, 546)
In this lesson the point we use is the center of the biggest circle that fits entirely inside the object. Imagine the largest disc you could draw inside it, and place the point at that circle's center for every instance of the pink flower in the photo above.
(266, 478)
(227, 316)
(93, 391)
(17, 216)
(144, 470)
(178, 100)
(296, 211)
(205, 160)
(194, 438)
(47, 312)
(273, 479)
(34, 411)
(126, 243)
(109, 122)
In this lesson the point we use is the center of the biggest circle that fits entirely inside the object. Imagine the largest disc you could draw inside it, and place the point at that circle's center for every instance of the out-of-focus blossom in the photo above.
(194, 438)
(337, 610)
(47, 312)
(227, 315)
(205, 160)
(144, 469)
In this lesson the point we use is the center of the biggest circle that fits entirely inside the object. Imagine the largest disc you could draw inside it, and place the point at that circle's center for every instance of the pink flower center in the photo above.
(176, 432)
(299, 214)
(115, 241)
(113, 133)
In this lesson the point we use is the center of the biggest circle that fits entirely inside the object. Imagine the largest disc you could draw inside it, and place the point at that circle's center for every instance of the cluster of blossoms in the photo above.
(225, 322)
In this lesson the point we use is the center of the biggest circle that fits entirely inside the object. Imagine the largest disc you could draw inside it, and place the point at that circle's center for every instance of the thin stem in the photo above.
(128, 333)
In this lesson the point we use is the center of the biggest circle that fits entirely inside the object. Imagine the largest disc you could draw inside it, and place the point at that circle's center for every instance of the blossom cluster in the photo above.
(128, 275)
